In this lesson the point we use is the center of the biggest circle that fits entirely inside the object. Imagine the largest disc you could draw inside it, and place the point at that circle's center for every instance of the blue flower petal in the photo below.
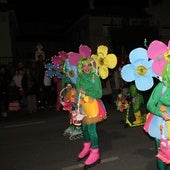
(128, 73)
(138, 57)
(138, 54)
(71, 68)
(151, 73)
(140, 62)
(58, 74)
(144, 83)
(150, 62)
(48, 66)
(55, 66)
(49, 73)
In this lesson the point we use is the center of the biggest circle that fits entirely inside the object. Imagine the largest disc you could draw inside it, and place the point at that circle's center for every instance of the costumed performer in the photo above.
(160, 97)
(136, 101)
(159, 103)
(89, 85)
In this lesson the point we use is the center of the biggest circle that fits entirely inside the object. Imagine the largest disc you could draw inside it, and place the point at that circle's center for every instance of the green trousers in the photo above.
(90, 134)
(160, 165)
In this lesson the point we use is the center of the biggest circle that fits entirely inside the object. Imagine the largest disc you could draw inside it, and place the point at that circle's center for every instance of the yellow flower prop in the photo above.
(104, 61)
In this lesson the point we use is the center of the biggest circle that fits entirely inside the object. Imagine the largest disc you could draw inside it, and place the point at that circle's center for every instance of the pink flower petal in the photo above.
(63, 55)
(56, 60)
(74, 58)
(156, 48)
(159, 66)
(169, 45)
(85, 51)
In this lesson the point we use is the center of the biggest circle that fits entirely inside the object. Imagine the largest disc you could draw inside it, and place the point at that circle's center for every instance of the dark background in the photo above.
(36, 10)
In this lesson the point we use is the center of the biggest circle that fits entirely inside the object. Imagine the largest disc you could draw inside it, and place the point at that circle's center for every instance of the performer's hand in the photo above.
(165, 116)
(81, 91)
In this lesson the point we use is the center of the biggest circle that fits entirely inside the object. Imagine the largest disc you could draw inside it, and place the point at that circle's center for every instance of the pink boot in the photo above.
(85, 151)
(93, 158)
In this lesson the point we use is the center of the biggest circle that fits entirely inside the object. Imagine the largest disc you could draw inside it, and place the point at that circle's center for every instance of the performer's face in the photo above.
(86, 67)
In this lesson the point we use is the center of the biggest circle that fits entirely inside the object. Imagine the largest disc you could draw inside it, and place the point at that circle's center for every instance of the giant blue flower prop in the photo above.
(71, 71)
(52, 70)
(140, 69)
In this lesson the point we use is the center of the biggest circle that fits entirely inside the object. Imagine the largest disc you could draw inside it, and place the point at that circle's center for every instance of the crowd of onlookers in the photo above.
(24, 85)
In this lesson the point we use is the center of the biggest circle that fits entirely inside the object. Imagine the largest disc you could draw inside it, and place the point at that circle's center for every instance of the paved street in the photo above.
(36, 142)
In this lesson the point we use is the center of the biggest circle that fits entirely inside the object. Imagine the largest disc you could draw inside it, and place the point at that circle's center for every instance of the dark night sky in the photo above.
(39, 10)
(65, 12)
(29, 10)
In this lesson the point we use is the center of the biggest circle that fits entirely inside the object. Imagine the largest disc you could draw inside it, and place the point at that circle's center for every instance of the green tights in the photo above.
(90, 134)
(160, 165)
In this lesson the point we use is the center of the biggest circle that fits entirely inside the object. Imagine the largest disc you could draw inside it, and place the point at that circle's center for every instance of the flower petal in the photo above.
(144, 83)
(138, 54)
(95, 57)
(63, 55)
(150, 70)
(110, 61)
(169, 45)
(155, 49)
(49, 73)
(128, 73)
(70, 68)
(49, 66)
(158, 67)
(74, 58)
(102, 49)
(85, 51)
(103, 72)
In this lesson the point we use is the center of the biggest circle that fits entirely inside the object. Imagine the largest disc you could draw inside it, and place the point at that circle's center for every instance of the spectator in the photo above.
(29, 86)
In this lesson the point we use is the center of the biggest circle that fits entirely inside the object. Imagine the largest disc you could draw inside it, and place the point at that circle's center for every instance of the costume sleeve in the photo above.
(153, 102)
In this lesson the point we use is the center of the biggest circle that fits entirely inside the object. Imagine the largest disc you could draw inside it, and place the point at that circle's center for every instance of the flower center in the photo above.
(141, 70)
(71, 73)
(160, 57)
(54, 70)
(101, 61)
(167, 56)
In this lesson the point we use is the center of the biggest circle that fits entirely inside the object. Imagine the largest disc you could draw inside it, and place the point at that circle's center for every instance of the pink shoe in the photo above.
(164, 156)
(85, 151)
(93, 158)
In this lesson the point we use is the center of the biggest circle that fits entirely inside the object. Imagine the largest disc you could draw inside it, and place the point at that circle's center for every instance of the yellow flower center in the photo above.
(71, 73)
(101, 61)
(167, 56)
(141, 70)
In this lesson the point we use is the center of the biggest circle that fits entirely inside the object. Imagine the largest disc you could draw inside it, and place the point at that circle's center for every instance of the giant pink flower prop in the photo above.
(160, 54)
(58, 60)
(84, 51)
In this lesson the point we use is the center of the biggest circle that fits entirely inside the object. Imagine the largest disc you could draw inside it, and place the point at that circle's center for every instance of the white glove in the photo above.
(79, 117)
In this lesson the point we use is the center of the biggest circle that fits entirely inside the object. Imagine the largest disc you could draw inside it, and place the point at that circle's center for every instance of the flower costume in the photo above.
(92, 108)
(59, 60)
(104, 61)
(140, 71)
(158, 122)
(82, 70)
(88, 85)
(91, 83)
